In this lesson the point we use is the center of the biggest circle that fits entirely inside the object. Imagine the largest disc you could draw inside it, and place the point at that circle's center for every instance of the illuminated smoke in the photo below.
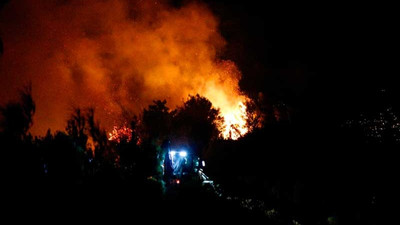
(115, 55)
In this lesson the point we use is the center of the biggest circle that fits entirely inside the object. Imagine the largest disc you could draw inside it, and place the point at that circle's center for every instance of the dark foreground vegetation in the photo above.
(300, 173)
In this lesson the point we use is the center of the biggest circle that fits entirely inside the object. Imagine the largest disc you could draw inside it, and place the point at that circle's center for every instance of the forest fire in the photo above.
(213, 110)
(117, 56)
(119, 134)
(235, 122)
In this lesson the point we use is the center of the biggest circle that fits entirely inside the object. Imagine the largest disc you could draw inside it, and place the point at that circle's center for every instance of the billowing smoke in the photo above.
(113, 55)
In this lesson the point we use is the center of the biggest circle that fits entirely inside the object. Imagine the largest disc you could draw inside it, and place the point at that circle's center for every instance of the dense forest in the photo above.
(297, 171)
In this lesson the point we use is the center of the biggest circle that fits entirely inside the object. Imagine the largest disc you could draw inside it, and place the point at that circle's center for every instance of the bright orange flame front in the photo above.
(119, 134)
(235, 125)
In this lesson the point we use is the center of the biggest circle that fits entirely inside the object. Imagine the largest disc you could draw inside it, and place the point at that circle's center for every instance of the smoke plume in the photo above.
(113, 55)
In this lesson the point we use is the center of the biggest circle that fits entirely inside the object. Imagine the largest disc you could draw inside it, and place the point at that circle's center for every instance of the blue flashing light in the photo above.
(183, 153)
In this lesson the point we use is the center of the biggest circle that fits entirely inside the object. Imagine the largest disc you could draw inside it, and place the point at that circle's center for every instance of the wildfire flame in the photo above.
(235, 124)
(116, 55)
(120, 133)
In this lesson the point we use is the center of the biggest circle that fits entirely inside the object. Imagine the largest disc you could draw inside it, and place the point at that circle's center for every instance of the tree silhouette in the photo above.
(63, 160)
(254, 115)
(98, 136)
(19, 156)
(76, 128)
(17, 117)
(197, 122)
(156, 121)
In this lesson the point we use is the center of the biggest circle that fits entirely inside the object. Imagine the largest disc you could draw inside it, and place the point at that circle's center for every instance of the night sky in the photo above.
(328, 56)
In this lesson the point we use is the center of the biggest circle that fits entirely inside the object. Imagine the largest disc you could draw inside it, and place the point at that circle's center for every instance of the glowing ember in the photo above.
(122, 133)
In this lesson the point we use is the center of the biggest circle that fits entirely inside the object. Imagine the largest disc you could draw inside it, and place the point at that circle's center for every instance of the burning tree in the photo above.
(120, 134)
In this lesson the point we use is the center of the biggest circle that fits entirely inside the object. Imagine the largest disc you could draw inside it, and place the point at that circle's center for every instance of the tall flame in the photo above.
(116, 55)
(235, 122)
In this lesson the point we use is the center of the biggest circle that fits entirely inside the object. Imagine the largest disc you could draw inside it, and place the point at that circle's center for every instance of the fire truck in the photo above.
(181, 165)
